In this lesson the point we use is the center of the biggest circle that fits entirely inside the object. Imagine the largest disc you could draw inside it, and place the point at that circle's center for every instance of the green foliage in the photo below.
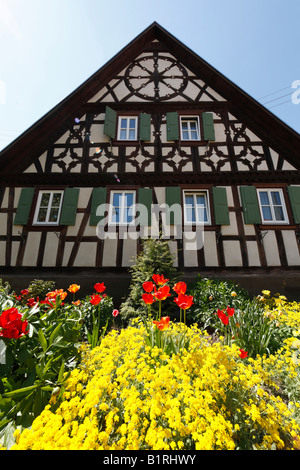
(39, 288)
(211, 295)
(38, 364)
(97, 319)
(155, 258)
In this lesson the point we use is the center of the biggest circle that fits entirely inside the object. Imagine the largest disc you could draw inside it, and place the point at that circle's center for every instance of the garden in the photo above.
(198, 366)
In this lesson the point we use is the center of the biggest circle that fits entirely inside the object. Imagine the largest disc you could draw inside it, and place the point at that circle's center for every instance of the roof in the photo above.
(36, 139)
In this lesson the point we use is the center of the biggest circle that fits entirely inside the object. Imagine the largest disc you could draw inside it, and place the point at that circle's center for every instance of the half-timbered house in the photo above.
(155, 126)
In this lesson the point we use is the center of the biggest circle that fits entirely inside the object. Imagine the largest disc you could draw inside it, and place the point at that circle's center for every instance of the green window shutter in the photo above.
(145, 198)
(145, 126)
(250, 205)
(98, 198)
(172, 126)
(294, 196)
(208, 126)
(173, 196)
(220, 206)
(69, 206)
(110, 122)
(24, 206)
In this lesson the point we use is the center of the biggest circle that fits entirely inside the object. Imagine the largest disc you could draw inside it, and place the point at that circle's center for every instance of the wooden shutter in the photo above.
(24, 206)
(294, 196)
(220, 206)
(208, 126)
(173, 196)
(172, 126)
(110, 122)
(145, 198)
(69, 206)
(145, 126)
(250, 205)
(98, 198)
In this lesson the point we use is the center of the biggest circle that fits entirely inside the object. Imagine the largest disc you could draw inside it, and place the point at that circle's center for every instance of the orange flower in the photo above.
(159, 279)
(162, 293)
(163, 324)
(77, 302)
(180, 287)
(148, 299)
(73, 288)
(184, 301)
(58, 292)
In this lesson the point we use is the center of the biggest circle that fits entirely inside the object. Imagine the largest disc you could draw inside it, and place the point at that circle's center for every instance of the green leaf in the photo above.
(42, 340)
(54, 333)
(20, 392)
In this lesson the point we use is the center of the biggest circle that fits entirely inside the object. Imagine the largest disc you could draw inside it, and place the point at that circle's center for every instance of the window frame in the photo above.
(111, 206)
(136, 128)
(285, 221)
(38, 207)
(195, 193)
(190, 118)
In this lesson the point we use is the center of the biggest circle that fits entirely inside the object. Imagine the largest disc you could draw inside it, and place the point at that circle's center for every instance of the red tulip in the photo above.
(100, 287)
(163, 324)
(162, 293)
(223, 317)
(95, 299)
(184, 301)
(148, 299)
(159, 279)
(12, 325)
(180, 287)
(230, 311)
(148, 286)
(115, 312)
(243, 354)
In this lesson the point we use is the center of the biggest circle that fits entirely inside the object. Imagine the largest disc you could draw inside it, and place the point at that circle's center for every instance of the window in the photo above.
(48, 207)
(196, 208)
(189, 128)
(272, 206)
(127, 129)
(121, 209)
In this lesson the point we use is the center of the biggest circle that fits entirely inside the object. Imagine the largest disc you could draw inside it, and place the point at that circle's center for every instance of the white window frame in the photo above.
(271, 205)
(190, 119)
(195, 193)
(111, 207)
(38, 206)
(127, 128)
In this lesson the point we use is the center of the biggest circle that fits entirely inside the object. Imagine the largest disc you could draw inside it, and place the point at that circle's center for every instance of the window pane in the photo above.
(123, 134)
(266, 213)
(189, 200)
(42, 215)
(184, 125)
(132, 135)
(45, 200)
(201, 200)
(190, 214)
(278, 213)
(264, 198)
(117, 199)
(276, 198)
(132, 123)
(115, 215)
(202, 214)
(123, 123)
(56, 200)
(53, 215)
(128, 199)
(194, 135)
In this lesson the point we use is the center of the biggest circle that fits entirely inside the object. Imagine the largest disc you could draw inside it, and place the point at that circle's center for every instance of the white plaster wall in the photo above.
(232, 253)
(253, 254)
(291, 247)
(210, 249)
(50, 249)
(31, 250)
(271, 248)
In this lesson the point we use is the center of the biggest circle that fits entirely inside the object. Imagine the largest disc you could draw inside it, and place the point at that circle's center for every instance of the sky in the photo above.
(49, 48)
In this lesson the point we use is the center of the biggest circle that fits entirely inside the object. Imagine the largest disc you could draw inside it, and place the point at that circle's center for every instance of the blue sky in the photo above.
(49, 48)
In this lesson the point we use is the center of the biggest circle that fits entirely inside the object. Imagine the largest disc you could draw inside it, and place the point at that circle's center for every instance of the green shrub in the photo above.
(155, 258)
(39, 288)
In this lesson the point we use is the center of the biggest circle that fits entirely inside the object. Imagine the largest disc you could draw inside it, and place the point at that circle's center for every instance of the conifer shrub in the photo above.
(154, 258)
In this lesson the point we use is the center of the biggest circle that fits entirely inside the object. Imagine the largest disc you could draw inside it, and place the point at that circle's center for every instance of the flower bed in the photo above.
(155, 384)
